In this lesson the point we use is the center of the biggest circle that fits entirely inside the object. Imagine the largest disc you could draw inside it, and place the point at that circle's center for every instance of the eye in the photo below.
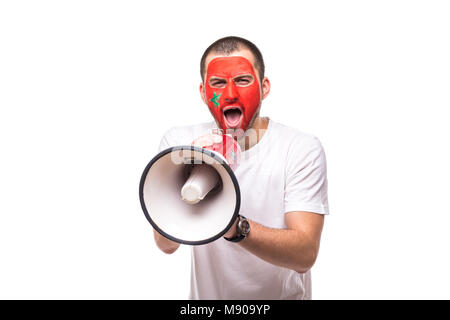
(243, 81)
(217, 83)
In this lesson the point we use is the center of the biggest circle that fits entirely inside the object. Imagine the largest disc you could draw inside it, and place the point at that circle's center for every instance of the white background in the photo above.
(87, 89)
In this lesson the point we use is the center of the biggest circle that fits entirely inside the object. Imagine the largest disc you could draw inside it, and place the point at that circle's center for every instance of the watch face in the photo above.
(244, 226)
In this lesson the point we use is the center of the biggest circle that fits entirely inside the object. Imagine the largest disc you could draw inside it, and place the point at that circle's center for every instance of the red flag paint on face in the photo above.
(232, 91)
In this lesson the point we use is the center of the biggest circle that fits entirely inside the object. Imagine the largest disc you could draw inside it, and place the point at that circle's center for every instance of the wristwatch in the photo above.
(242, 229)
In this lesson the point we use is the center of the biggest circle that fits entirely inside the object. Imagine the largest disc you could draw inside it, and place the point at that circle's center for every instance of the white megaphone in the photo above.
(190, 194)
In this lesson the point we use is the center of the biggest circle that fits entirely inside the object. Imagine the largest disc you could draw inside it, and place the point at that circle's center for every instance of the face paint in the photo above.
(232, 91)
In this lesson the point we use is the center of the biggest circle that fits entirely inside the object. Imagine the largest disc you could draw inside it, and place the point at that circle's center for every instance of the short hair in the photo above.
(231, 44)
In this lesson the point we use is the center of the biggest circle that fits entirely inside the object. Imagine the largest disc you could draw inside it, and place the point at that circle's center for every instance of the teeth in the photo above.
(232, 108)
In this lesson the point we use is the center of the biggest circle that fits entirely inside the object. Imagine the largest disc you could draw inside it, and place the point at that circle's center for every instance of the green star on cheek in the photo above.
(215, 100)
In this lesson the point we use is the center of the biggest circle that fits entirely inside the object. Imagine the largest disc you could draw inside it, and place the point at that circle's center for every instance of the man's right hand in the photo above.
(166, 245)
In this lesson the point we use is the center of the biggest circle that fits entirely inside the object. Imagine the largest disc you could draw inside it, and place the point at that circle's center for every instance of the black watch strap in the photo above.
(240, 235)
(236, 239)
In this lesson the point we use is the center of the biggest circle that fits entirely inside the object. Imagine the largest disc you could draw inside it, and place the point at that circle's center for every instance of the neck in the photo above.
(253, 134)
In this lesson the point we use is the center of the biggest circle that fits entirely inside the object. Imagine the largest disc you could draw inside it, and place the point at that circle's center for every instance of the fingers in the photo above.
(207, 140)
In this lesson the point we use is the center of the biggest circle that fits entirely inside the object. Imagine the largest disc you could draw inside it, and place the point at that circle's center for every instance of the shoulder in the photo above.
(301, 150)
(295, 139)
(304, 152)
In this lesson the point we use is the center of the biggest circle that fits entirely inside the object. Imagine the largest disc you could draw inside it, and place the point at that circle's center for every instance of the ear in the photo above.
(202, 92)
(265, 88)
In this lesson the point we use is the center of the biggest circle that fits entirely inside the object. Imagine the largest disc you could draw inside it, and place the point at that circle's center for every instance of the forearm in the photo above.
(287, 248)
(166, 245)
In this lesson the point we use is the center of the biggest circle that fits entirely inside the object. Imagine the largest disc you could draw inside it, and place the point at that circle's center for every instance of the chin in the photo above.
(237, 131)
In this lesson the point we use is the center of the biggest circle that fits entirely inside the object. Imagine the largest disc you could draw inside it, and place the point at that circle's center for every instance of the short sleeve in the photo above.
(306, 187)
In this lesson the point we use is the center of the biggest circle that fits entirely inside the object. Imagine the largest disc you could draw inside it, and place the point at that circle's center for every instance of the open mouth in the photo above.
(233, 116)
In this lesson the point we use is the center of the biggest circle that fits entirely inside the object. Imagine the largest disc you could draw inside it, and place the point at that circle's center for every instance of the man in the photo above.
(269, 251)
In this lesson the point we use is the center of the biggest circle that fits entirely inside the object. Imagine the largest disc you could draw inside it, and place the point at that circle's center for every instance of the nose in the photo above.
(231, 94)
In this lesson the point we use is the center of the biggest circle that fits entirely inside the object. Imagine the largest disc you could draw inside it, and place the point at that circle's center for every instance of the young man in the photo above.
(270, 250)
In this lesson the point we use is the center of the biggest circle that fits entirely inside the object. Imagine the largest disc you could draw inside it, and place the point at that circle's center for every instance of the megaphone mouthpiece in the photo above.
(203, 179)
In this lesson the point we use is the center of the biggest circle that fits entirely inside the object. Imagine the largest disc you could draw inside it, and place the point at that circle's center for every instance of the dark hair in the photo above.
(227, 46)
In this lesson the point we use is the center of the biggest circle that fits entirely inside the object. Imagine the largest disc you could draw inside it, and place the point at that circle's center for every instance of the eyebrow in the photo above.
(238, 76)
(216, 78)
(243, 75)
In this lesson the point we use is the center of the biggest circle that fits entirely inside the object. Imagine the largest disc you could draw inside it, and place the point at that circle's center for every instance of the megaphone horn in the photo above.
(190, 194)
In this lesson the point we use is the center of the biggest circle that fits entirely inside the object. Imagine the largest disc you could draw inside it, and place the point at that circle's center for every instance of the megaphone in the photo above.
(190, 194)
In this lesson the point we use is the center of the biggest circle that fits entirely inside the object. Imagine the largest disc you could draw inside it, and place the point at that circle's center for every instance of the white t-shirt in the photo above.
(285, 171)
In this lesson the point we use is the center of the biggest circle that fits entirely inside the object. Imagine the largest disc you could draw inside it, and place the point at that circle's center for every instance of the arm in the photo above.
(294, 248)
(166, 245)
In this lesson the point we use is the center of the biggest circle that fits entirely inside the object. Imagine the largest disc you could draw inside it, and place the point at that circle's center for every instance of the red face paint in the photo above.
(232, 92)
